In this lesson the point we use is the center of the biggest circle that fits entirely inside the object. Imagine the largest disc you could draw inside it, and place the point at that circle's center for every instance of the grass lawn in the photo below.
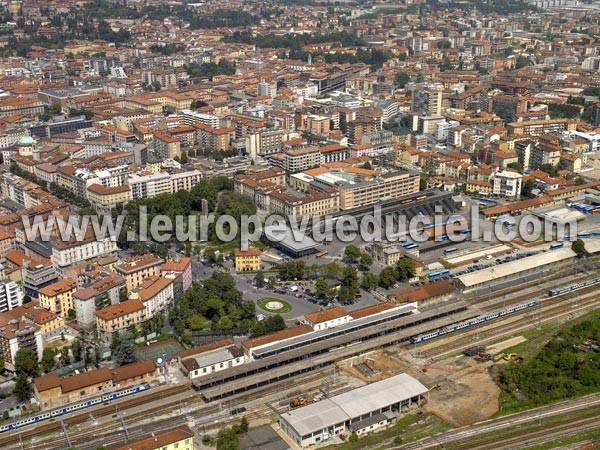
(285, 306)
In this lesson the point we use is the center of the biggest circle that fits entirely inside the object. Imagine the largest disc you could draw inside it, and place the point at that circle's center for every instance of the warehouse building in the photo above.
(514, 268)
(359, 411)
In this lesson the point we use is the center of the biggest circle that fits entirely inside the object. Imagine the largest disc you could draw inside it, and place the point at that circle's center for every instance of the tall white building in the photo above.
(507, 184)
(11, 295)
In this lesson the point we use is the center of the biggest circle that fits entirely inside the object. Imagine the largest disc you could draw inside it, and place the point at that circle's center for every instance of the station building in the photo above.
(359, 411)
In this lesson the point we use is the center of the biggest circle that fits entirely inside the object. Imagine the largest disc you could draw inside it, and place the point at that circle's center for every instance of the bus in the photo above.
(323, 253)
(450, 250)
(557, 245)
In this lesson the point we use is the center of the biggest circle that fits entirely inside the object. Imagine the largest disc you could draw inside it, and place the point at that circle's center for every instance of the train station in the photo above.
(359, 411)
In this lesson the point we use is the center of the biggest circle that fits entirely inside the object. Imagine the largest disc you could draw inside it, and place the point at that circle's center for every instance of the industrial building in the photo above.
(359, 411)
(514, 268)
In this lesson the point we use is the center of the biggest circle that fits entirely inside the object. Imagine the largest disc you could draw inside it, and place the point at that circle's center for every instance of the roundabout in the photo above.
(274, 305)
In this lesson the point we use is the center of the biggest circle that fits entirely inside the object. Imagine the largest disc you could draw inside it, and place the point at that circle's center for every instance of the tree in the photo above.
(322, 288)
(401, 79)
(227, 440)
(22, 388)
(65, 358)
(26, 299)
(76, 349)
(124, 351)
(405, 268)
(48, 360)
(369, 281)
(387, 277)
(71, 314)
(26, 362)
(244, 425)
(352, 252)
(350, 278)
(259, 279)
(527, 188)
(274, 323)
(55, 108)
(516, 166)
(366, 260)
(579, 248)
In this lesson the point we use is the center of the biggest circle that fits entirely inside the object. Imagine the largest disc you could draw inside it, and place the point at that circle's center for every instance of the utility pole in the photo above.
(65, 432)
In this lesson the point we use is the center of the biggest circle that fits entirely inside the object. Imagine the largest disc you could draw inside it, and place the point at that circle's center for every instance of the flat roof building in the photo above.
(352, 410)
(513, 268)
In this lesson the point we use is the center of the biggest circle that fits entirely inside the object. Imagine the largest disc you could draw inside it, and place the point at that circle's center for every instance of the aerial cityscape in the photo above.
(299, 224)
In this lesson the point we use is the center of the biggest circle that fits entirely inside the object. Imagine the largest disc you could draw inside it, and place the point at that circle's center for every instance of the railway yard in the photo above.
(261, 389)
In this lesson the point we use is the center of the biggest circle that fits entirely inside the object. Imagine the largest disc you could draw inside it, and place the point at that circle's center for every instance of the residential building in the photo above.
(58, 296)
(104, 199)
(302, 159)
(247, 260)
(11, 296)
(136, 269)
(507, 184)
(156, 294)
(74, 251)
(118, 317)
(107, 290)
(181, 267)
(16, 333)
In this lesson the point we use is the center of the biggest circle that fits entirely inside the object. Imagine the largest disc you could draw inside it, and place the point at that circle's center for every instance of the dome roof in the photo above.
(26, 140)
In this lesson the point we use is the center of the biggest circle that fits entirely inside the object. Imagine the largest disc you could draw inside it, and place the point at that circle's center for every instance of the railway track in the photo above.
(9, 439)
(553, 308)
(529, 437)
(171, 414)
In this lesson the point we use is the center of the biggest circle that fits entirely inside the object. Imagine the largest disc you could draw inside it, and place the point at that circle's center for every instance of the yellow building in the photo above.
(247, 260)
(117, 317)
(103, 198)
(58, 297)
(180, 438)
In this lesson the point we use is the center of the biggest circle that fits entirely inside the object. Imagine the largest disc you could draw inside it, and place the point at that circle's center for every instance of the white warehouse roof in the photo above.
(381, 394)
(514, 267)
(353, 404)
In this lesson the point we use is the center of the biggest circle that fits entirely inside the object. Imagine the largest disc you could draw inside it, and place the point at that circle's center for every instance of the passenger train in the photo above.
(75, 407)
(471, 322)
(573, 287)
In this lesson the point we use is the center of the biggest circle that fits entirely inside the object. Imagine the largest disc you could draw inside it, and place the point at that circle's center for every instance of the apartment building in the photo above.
(68, 253)
(136, 269)
(58, 296)
(541, 127)
(107, 290)
(118, 317)
(360, 187)
(103, 199)
(507, 184)
(179, 266)
(185, 180)
(11, 296)
(427, 99)
(149, 185)
(156, 293)
(315, 203)
(17, 333)
(247, 260)
(302, 159)
(334, 153)
(165, 146)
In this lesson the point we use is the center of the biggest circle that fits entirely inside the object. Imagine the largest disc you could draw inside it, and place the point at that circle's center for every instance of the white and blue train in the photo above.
(573, 287)
(75, 407)
(440, 274)
(471, 322)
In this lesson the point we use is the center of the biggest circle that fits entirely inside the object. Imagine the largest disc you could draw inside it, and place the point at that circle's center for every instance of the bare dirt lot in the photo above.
(461, 389)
